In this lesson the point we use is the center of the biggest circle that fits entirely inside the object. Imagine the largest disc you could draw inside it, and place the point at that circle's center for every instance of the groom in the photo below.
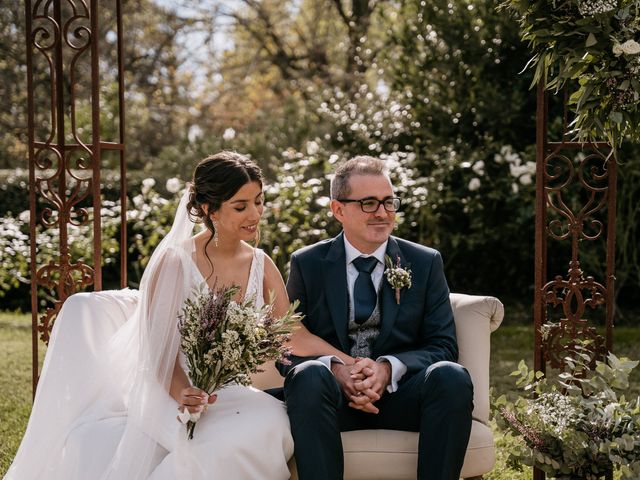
(404, 376)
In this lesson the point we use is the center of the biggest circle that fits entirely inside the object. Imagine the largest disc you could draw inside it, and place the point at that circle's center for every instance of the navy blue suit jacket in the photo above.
(419, 331)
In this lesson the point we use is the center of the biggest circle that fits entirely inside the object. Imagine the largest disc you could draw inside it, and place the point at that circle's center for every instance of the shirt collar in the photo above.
(352, 252)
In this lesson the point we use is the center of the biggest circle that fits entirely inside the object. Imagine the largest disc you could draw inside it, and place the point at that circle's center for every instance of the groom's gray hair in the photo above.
(360, 165)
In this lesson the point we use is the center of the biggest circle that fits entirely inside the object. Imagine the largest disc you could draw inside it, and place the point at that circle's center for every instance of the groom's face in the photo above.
(366, 231)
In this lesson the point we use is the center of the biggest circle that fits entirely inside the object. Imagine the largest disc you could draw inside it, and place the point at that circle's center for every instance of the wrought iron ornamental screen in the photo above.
(67, 75)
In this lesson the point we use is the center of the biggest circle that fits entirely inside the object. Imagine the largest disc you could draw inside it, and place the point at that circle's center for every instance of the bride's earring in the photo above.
(215, 232)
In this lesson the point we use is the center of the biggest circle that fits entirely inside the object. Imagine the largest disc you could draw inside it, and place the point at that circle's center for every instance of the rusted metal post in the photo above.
(575, 184)
(32, 201)
(64, 165)
(121, 153)
(540, 272)
(96, 157)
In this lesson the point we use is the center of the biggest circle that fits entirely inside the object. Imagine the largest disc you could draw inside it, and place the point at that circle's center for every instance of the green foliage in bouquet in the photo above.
(225, 341)
(592, 47)
(578, 425)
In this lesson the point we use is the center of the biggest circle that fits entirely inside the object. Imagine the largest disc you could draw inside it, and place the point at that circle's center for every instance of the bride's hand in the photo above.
(194, 399)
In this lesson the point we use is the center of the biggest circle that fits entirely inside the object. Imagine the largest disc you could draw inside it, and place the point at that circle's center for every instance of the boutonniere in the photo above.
(397, 276)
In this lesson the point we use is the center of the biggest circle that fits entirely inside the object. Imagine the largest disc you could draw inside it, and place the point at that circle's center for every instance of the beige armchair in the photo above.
(392, 455)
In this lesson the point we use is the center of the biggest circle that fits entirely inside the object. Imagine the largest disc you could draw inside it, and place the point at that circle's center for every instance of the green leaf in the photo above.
(591, 40)
(616, 117)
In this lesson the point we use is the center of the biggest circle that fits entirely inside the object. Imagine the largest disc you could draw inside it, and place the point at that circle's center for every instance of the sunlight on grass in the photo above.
(509, 344)
(15, 383)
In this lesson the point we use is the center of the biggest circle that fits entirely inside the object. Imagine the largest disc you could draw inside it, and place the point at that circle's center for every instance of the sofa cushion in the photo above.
(393, 454)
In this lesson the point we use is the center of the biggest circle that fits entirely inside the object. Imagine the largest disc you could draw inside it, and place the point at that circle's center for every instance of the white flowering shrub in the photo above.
(149, 218)
(14, 253)
(437, 209)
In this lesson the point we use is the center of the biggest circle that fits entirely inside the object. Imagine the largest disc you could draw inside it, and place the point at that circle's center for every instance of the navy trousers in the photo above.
(437, 402)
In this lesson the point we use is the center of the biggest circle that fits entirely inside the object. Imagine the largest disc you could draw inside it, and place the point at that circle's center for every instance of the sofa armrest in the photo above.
(476, 317)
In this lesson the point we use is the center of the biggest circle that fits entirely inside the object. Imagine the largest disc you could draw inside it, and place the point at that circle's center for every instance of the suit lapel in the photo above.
(335, 287)
(390, 307)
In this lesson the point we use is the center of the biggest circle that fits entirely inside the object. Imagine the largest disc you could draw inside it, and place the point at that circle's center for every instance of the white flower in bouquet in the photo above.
(225, 341)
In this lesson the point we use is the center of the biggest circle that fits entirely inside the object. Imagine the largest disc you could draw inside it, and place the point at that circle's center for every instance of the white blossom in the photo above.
(594, 7)
(525, 179)
(147, 185)
(507, 155)
(323, 201)
(630, 47)
(312, 147)
(194, 133)
(173, 185)
(478, 167)
(229, 134)
(148, 182)
(474, 184)
(555, 410)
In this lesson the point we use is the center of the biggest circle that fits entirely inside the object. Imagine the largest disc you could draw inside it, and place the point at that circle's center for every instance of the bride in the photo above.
(110, 389)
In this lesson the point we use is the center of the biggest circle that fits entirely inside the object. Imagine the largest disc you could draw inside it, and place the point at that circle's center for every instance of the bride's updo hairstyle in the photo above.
(216, 179)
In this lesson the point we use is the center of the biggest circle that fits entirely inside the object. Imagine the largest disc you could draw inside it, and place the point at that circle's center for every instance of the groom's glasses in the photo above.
(371, 205)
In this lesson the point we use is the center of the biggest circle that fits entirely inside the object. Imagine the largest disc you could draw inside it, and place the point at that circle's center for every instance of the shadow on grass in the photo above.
(512, 342)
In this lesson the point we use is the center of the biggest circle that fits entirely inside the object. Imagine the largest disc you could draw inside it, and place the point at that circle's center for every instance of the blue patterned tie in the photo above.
(364, 293)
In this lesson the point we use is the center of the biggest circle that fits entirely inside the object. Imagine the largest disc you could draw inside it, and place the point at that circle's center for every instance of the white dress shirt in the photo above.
(398, 369)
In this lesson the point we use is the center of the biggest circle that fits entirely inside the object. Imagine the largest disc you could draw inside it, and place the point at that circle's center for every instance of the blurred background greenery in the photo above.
(435, 88)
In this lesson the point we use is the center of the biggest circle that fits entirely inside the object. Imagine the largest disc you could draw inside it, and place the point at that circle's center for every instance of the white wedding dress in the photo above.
(102, 408)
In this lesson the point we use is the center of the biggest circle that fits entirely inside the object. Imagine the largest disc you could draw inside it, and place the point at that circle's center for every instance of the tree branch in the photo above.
(345, 18)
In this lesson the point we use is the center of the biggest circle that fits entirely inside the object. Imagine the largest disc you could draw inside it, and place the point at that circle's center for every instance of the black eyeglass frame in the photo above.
(397, 203)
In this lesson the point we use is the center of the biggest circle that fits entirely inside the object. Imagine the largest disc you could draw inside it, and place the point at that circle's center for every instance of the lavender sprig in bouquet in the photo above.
(225, 341)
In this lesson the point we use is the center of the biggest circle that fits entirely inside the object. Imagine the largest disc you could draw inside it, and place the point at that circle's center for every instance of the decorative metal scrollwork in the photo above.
(66, 279)
(63, 43)
(575, 208)
(573, 295)
(65, 156)
(576, 193)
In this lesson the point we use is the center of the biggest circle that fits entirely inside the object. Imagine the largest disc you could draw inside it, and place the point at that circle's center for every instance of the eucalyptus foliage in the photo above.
(579, 425)
(591, 47)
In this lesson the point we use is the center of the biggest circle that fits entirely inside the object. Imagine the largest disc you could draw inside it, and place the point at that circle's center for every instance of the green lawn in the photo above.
(15, 383)
(509, 344)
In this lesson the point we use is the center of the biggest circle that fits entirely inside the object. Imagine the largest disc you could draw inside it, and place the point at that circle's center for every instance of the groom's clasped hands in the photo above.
(363, 382)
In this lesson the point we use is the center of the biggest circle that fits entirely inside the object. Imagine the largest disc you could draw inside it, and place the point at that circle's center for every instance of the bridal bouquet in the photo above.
(225, 341)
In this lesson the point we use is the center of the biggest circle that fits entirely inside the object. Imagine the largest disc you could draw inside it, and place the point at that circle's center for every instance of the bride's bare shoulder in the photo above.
(201, 238)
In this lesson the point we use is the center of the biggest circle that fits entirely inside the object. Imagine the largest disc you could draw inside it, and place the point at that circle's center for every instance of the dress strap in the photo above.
(255, 286)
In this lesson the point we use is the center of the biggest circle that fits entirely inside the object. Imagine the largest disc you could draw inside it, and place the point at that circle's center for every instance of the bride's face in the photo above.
(238, 217)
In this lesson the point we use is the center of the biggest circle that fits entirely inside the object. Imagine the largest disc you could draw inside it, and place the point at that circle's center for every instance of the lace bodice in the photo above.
(255, 283)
